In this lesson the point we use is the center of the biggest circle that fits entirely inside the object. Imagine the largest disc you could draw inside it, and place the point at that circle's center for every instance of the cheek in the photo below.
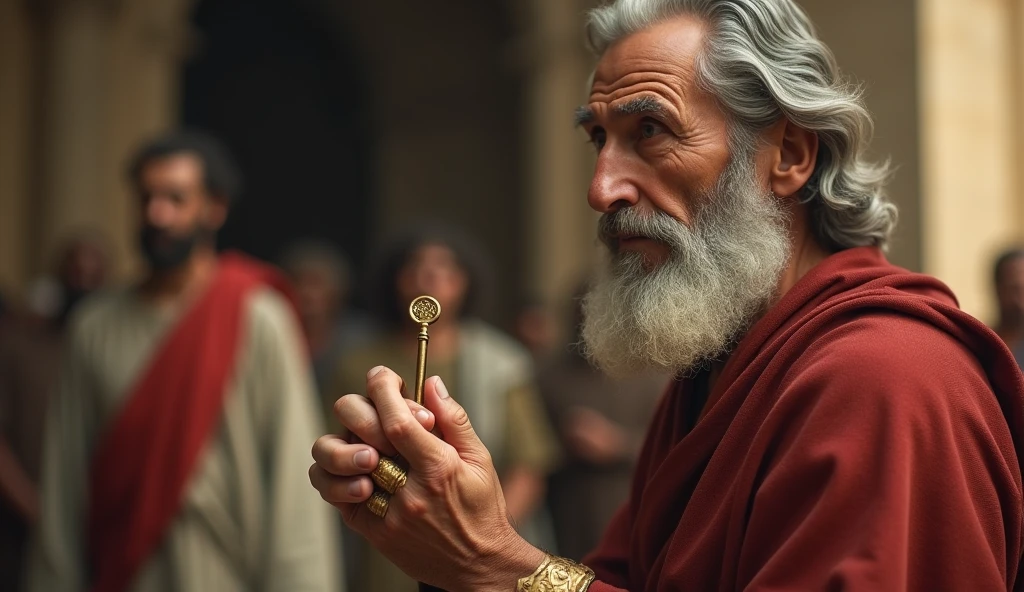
(205, 216)
(682, 175)
(451, 289)
(672, 186)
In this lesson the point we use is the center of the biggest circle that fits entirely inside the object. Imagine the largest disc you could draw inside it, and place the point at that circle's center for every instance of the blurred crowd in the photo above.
(111, 396)
(149, 442)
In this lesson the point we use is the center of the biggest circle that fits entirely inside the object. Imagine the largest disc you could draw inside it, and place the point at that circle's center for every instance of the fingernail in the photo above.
(442, 390)
(355, 488)
(422, 415)
(374, 371)
(362, 459)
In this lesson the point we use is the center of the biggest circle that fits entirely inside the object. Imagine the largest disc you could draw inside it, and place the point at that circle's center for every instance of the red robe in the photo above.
(145, 458)
(864, 435)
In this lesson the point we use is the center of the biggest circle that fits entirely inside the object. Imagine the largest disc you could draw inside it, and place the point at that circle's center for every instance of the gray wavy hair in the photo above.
(763, 61)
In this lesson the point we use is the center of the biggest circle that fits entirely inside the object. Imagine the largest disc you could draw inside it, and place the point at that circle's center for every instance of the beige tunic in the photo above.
(251, 520)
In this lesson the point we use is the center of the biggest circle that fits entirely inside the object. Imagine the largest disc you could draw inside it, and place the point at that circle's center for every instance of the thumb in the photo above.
(453, 421)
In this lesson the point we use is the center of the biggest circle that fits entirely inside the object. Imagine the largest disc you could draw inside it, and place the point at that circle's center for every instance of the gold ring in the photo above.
(378, 503)
(389, 476)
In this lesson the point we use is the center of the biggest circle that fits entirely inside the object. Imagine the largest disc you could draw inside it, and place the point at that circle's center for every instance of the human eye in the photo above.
(650, 128)
(598, 137)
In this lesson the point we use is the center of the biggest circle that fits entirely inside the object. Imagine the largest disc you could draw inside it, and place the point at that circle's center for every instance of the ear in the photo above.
(216, 212)
(794, 158)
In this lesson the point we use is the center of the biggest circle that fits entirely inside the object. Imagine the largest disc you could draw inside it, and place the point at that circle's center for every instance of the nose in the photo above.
(612, 187)
(428, 278)
(158, 212)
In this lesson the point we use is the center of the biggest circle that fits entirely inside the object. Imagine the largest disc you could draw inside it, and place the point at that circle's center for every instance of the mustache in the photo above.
(656, 225)
(155, 233)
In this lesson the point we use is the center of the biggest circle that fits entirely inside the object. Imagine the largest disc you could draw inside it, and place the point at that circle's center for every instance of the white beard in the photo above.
(720, 276)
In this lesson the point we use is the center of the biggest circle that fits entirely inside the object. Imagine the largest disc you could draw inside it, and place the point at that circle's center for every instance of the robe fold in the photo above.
(865, 434)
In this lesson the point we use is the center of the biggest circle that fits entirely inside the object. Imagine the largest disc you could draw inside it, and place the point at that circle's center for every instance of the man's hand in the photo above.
(447, 526)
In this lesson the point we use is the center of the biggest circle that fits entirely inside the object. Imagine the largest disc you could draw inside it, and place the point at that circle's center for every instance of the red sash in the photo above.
(145, 458)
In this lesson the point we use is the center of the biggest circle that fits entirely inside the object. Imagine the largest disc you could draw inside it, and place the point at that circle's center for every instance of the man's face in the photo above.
(697, 242)
(434, 269)
(661, 140)
(1011, 288)
(84, 266)
(176, 210)
(317, 293)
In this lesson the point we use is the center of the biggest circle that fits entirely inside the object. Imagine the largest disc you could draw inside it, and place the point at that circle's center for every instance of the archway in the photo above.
(287, 96)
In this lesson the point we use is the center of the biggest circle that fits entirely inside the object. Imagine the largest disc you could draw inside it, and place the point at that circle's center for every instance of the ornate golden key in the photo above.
(390, 476)
(423, 310)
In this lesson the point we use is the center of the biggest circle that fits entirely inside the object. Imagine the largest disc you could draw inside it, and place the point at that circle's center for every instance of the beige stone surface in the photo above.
(969, 153)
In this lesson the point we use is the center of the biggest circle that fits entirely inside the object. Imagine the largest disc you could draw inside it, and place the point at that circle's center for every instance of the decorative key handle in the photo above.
(423, 310)
(390, 474)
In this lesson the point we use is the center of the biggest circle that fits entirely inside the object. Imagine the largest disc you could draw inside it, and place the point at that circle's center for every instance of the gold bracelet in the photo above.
(557, 574)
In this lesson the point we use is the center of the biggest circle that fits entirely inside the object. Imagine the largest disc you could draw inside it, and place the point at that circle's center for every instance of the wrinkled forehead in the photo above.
(665, 52)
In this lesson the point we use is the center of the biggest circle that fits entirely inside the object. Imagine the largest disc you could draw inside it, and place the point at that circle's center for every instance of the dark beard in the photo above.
(164, 251)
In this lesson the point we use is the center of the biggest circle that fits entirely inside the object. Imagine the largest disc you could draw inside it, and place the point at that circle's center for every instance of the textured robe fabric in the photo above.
(865, 434)
(247, 518)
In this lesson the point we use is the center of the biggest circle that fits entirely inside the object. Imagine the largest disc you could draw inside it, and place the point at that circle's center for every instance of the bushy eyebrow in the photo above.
(641, 105)
(582, 116)
(645, 105)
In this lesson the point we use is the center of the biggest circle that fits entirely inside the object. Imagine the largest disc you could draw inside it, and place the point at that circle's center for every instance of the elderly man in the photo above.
(839, 424)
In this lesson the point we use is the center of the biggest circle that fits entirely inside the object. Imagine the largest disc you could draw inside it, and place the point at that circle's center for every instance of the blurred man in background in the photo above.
(537, 329)
(176, 444)
(322, 279)
(601, 422)
(1008, 278)
(30, 349)
(81, 267)
(491, 374)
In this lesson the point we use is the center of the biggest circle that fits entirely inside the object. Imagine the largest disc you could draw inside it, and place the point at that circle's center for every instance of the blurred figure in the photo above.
(485, 370)
(178, 440)
(81, 266)
(536, 328)
(82, 269)
(322, 280)
(601, 422)
(1008, 278)
(30, 349)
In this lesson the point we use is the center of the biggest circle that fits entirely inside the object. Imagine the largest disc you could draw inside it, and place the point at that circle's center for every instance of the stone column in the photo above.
(74, 82)
(108, 78)
(16, 114)
(562, 244)
(969, 151)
